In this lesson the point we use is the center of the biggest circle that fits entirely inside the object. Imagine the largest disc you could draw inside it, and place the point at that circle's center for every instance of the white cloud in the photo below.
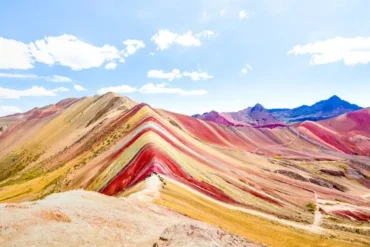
(57, 78)
(187, 39)
(117, 89)
(132, 45)
(176, 74)
(8, 110)
(207, 34)
(60, 89)
(14, 55)
(159, 74)
(35, 91)
(223, 12)
(111, 65)
(197, 75)
(165, 38)
(53, 78)
(66, 50)
(78, 87)
(243, 15)
(18, 76)
(151, 88)
(152, 53)
(351, 51)
(246, 69)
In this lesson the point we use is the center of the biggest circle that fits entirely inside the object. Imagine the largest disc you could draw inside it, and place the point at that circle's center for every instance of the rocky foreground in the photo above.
(85, 218)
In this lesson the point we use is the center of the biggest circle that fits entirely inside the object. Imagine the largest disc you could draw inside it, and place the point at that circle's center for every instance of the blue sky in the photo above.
(186, 56)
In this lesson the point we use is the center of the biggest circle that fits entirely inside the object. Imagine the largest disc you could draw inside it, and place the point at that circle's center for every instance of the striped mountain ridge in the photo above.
(250, 181)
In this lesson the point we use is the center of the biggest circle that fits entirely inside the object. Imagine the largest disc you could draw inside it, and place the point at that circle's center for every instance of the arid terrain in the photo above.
(75, 218)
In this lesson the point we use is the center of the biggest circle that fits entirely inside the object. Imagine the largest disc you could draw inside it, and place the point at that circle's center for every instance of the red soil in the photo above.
(353, 215)
(151, 159)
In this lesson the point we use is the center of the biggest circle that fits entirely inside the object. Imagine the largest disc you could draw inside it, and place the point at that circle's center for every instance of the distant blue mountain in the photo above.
(332, 107)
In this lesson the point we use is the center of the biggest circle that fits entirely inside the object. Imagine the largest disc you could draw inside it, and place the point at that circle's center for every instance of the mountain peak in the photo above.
(259, 116)
(258, 107)
(111, 94)
(335, 98)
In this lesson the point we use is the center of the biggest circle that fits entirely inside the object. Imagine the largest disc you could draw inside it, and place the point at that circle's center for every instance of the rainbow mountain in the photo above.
(306, 184)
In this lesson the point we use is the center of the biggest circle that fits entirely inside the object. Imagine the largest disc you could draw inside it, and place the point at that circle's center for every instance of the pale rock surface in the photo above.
(85, 218)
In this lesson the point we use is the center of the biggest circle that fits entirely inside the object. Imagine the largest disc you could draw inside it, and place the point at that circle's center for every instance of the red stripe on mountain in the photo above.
(229, 135)
(122, 119)
(353, 215)
(362, 119)
(116, 154)
(254, 193)
(325, 136)
(146, 162)
(198, 129)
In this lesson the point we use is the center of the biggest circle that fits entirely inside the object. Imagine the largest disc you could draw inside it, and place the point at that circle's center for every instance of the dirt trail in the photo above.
(306, 227)
(318, 215)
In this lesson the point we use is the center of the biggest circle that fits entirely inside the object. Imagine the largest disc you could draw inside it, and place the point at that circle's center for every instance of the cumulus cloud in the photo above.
(8, 110)
(161, 88)
(117, 89)
(187, 39)
(159, 74)
(197, 75)
(78, 87)
(132, 45)
(66, 50)
(111, 65)
(243, 15)
(35, 91)
(14, 55)
(165, 38)
(69, 51)
(223, 12)
(53, 78)
(246, 69)
(351, 51)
